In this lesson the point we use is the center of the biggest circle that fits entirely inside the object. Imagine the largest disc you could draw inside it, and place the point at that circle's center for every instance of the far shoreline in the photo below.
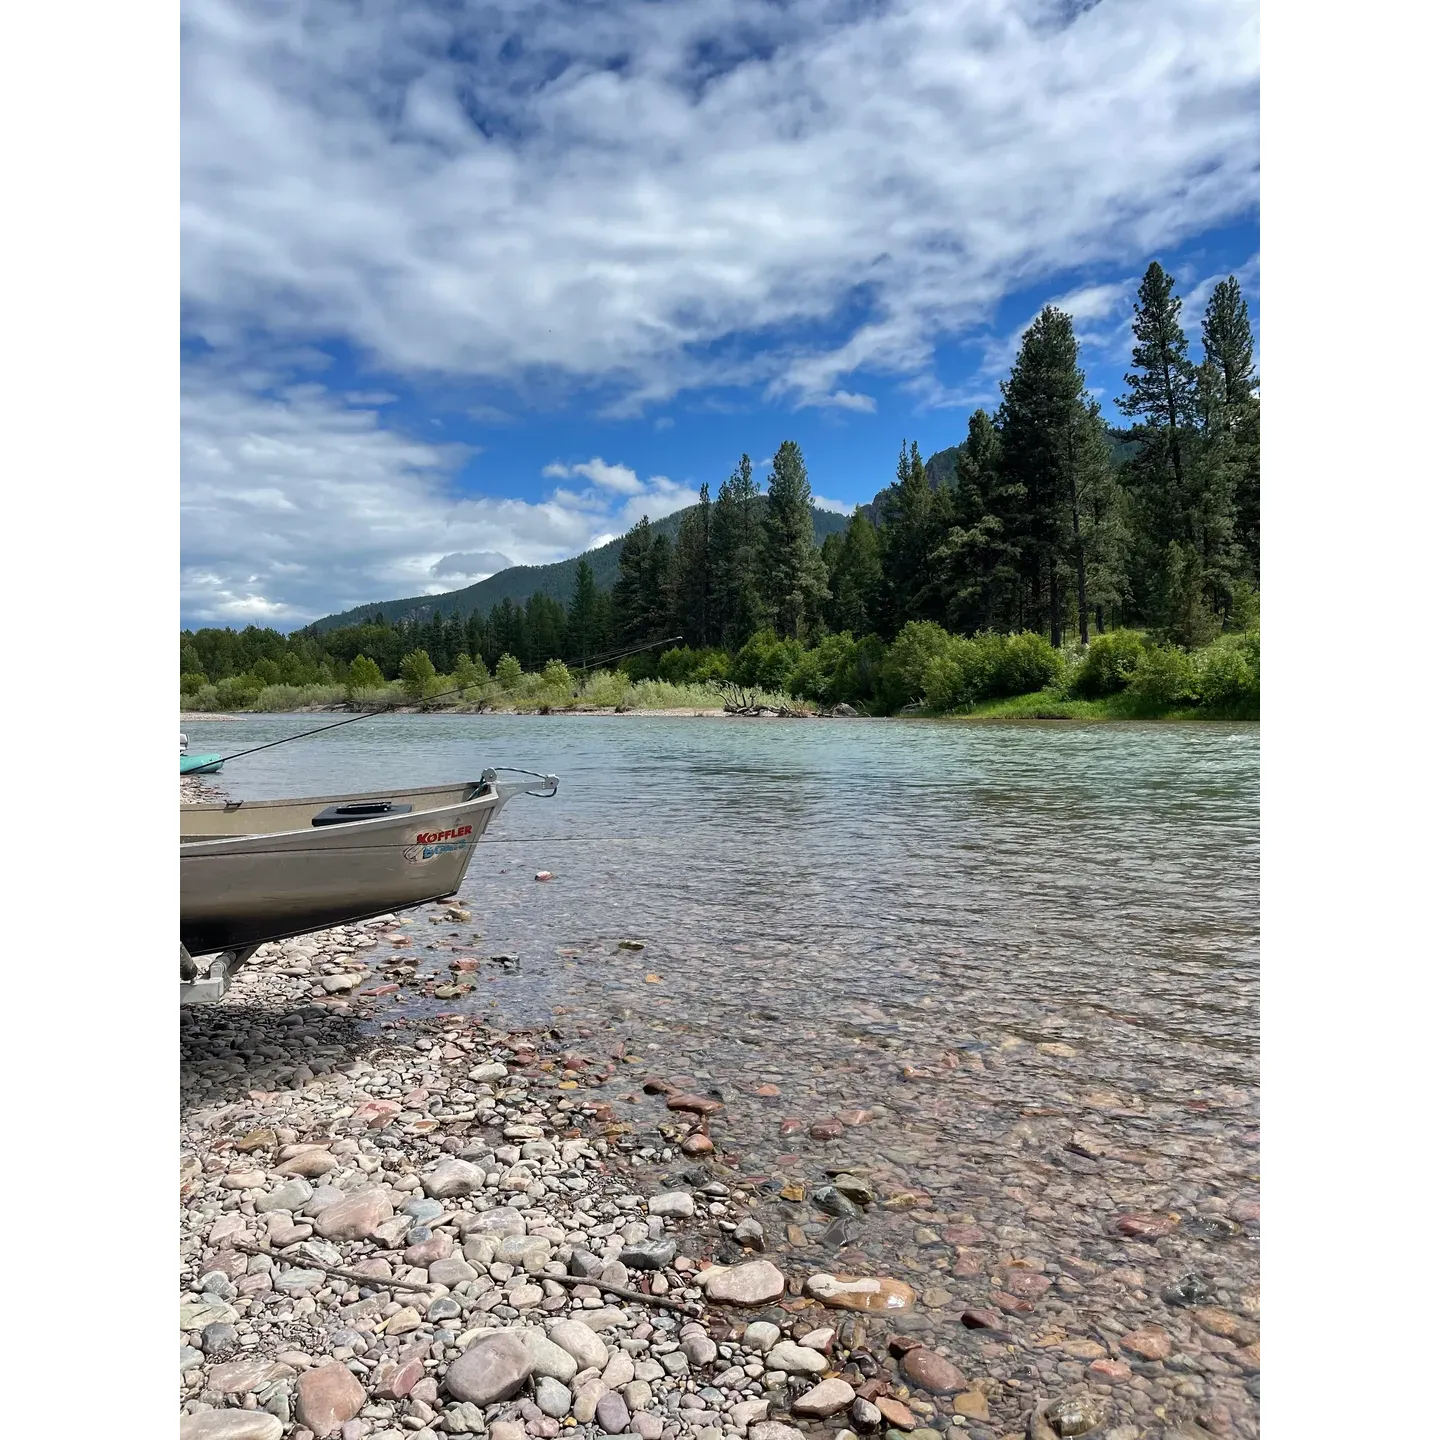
(1084, 713)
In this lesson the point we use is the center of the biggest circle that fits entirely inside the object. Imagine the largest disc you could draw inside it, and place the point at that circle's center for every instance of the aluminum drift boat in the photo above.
(253, 871)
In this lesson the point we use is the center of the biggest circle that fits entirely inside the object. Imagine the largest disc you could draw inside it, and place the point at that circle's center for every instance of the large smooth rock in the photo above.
(493, 1368)
(289, 1196)
(774, 1430)
(239, 1377)
(499, 1222)
(756, 1282)
(796, 1359)
(356, 1216)
(549, 1359)
(528, 1252)
(648, 1254)
(452, 1177)
(326, 1398)
(552, 1397)
(678, 1203)
(855, 1292)
(581, 1342)
(932, 1371)
(230, 1425)
(828, 1398)
(612, 1415)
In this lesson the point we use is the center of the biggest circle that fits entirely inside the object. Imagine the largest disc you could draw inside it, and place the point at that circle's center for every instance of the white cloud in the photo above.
(294, 505)
(531, 189)
(840, 507)
(620, 478)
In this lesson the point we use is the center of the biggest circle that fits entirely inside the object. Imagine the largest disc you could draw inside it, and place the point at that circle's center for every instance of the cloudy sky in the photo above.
(469, 284)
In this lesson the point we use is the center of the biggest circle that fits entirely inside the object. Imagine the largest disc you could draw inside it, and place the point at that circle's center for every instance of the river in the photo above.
(1018, 962)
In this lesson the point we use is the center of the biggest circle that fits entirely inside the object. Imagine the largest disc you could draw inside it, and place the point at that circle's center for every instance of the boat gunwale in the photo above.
(231, 806)
(488, 799)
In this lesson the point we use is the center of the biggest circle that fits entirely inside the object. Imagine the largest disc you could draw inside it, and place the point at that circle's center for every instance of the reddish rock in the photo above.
(790, 1126)
(655, 1086)
(1012, 1304)
(826, 1130)
(767, 1092)
(697, 1144)
(981, 1320)
(377, 1113)
(395, 1382)
(1144, 1227)
(932, 1372)
(903, 1344)
(696, 1104)
(1247, 1357)
(895, 1412)
(1147, 1344)
(438, 1247)
(1247, 1212)
(1112, 1370)
(1028, 1283)
(854, 1117)
(969, 1263)
(355, 1217)
(1223, 1323)
(963, 1235)
(326, 1398)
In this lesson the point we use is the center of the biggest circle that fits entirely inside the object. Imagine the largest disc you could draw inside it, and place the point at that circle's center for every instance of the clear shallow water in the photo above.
(956, 868)
(887, 917)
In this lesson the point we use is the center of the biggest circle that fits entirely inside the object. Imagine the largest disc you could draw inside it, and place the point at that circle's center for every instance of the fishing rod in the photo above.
(400, 704)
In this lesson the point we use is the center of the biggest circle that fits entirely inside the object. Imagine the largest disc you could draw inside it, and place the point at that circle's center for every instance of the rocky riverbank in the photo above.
(426, 1231)
(398, 1226)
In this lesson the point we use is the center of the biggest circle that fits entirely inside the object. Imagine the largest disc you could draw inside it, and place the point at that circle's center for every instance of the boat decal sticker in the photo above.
(419, 853)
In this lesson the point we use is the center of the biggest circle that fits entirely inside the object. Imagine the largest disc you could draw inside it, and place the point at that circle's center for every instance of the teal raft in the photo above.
(201, 764)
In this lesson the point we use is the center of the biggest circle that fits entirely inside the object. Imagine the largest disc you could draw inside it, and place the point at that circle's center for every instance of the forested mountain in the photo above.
(520, 582)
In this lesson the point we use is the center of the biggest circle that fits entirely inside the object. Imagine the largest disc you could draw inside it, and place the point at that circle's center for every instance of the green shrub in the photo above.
(1026, 663)
(276, 698)
(191, 682)
(1166, 675)
(1109, 663)
(1229, 673)
(917, 645)
(417, 675)
(766, 660)
(203, 699)
(684, 666)
(508, 672)
(556, 676)
(819, 673)
(236, 692)
(363, 674)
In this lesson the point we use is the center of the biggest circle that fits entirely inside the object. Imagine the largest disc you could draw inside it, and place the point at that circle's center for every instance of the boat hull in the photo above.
(201, 764)
(244, 890)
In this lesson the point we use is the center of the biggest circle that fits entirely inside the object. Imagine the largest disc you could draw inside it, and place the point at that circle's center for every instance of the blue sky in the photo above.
(465, 285)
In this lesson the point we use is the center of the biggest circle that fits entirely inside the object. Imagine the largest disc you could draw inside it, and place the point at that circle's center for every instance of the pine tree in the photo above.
(908, 539)
(735, 530)
(631, 595)
(977, 560)
(1165, 396)
(1041, 404)
(1230, 353)
(794, 574)
(694, 573)
(583, 615)
(856, 577)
